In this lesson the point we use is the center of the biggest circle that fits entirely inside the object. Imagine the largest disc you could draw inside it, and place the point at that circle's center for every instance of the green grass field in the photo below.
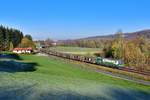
(77, 50)
(55, 79)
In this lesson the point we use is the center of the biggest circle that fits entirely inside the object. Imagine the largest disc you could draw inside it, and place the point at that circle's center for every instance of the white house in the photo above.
(22, 50)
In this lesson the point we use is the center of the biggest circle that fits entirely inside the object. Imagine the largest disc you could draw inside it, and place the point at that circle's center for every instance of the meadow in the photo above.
(56, 79)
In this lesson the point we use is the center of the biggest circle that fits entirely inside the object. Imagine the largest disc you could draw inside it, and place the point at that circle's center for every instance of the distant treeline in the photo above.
(11, 38)
(45, 43)
(97, 43)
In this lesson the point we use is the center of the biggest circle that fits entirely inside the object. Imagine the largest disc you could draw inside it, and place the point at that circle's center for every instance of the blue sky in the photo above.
(68, 19)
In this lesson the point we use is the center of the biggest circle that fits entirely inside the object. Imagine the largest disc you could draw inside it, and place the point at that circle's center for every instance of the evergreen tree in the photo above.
(8, 35)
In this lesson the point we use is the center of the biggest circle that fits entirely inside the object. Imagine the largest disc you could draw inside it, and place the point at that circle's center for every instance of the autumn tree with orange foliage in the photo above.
(25, 43)
(137, 53)
(134, 52)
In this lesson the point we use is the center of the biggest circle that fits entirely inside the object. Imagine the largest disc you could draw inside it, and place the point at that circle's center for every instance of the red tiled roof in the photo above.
(23, 48)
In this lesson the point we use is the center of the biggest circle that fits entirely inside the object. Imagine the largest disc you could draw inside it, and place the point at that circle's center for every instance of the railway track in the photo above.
(58, 54)
(135, 71)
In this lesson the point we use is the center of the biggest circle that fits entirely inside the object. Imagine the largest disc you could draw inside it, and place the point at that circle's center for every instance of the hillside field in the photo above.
(77, 50)
(55, 79)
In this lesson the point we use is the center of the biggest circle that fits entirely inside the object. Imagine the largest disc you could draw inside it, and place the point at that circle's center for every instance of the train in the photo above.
(112, 63)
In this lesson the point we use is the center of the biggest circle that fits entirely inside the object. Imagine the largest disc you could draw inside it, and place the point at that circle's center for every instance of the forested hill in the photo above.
(145, 33)
(100, 41)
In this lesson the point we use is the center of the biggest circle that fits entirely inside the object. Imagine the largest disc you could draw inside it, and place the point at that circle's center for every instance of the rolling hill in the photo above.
(132, 35)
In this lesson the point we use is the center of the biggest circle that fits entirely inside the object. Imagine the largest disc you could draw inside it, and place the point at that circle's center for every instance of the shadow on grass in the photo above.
(16, 93)
(30, 93)
(113, 94)
(13, 66)
(9, 56)
(129, 95)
